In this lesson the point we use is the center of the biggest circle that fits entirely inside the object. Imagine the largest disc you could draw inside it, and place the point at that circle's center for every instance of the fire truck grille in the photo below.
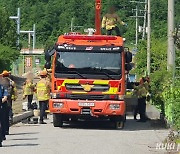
(95, 88)
(89, 97)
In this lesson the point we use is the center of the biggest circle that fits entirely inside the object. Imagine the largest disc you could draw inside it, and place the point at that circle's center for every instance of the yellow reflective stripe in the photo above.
(70, 81)
(59, 87)
(79, 92)
(112, 90)
(101, 82)
(47, 111)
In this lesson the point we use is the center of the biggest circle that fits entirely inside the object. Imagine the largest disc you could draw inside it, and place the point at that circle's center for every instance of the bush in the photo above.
(7, 57)
(172, 104)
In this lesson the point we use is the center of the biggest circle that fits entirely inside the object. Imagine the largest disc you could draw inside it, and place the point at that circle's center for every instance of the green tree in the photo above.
(7, 57)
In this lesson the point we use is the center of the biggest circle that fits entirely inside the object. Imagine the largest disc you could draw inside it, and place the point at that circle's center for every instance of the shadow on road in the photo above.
(25, 133)
(19, 145)
(130, 125)
(24, 139)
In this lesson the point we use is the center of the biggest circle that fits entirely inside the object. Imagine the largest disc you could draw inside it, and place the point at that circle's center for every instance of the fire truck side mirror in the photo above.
(128, 67)
(48, 65)
(47, 56)
(128, 56)
(48, 60)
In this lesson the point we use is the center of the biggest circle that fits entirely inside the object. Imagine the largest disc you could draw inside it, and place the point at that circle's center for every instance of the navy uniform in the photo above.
(3, 98)
(8, 84)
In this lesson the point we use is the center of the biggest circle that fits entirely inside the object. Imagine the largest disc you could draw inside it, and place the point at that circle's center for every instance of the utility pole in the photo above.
(18, 20)
(31, 33)
(171, 47)
(34, 36)
(72, 24)
(137, 16)
(145, 17)
(149, 39)
(136, 25)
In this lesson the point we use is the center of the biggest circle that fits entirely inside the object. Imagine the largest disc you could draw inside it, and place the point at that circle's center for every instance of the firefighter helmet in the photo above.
(5, 73)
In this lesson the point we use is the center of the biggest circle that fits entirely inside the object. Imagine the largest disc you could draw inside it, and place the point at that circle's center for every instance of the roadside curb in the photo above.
(19, 117)
(152, 112)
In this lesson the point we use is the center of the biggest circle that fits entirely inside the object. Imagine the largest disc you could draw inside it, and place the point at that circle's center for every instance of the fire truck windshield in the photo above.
(88, 65)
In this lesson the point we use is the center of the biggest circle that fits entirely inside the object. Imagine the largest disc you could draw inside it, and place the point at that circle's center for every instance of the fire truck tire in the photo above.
(57, 120)
(125, 118)
(119, 122)
(119, 125)
(74, 119)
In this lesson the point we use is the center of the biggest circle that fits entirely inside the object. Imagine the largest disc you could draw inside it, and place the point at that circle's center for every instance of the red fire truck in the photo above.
(88, 76)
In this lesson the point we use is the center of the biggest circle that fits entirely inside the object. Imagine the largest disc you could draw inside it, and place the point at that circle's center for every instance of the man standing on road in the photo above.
(8, 84)
(28, 90)
(110, 21)
(43, 94)
(3, 99)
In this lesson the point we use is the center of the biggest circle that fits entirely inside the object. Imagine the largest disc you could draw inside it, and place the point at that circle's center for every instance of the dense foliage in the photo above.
(53, 17)
(8, 52)
(7, 56)
(164, 89)
(172, 106)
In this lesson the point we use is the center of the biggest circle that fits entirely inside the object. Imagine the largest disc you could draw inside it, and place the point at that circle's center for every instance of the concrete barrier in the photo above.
(19, 117)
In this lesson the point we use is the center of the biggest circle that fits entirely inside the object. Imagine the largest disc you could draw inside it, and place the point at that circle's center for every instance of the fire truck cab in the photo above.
(88, 78)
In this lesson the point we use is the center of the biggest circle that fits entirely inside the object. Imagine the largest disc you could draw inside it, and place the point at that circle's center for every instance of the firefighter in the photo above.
(141, 91)
(14, 93)
(49, 71)
(43, 94)
(28, 90)
(7, 106)
(110, 20)
(3, 99)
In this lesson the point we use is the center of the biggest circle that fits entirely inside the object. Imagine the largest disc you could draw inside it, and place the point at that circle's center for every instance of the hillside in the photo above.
(53, 17)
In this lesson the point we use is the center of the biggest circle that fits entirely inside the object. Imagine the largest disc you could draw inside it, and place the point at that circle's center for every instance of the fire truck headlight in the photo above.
(114, 106)
(58, 105)
(53, 95)
(120, 97)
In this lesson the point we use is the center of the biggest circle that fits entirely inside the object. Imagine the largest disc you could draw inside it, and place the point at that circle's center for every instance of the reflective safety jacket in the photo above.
(142, 90)
(14, 94)
(43, 90)
(110, 21)
(28, 88)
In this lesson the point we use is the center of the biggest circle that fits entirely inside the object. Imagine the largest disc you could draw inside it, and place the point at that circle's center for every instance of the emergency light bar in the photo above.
(86, 37)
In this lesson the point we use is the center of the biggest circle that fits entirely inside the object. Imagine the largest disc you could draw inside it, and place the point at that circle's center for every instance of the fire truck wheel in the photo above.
(57, 120)
(119, 125)
(125, 118)
(74, 119)
(119, 122)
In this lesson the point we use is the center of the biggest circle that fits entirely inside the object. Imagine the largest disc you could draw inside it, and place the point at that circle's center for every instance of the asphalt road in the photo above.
(84, 138)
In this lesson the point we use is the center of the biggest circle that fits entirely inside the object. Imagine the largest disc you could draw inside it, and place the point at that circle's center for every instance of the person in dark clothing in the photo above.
(116, 29)
(3, 98)
(8, 84)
